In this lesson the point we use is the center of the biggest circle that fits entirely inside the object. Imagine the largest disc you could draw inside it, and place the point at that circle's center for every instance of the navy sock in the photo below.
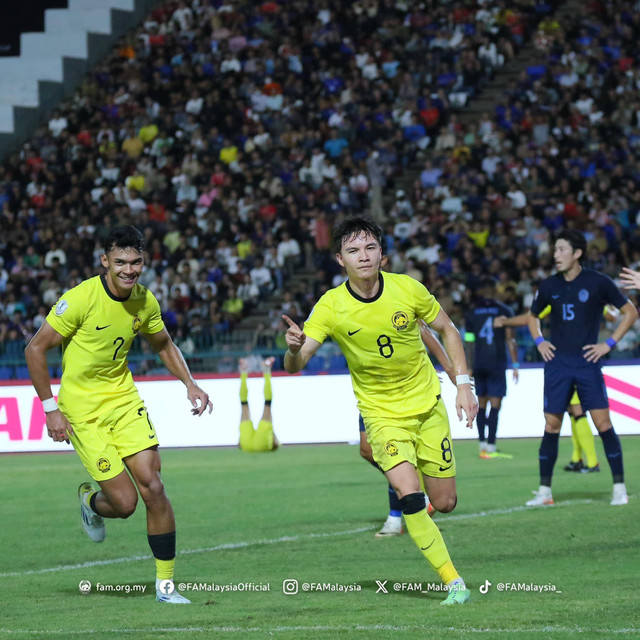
(395, 508)
(492, 424)
(613, 451)
(481, 419)
(547, 455)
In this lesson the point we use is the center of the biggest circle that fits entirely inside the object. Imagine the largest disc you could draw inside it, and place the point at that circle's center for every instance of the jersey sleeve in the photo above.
(612, 295)
(541, 300)
(427, 307)
(153, 322)
(319, 324)
(69, 312)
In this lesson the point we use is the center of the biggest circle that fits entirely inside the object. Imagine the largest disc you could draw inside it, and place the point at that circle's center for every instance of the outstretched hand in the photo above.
(466, 402)
(295, 336)
(630, 279)
(195, 394)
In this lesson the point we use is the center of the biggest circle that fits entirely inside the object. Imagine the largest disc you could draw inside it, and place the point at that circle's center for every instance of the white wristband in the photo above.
(463, 379)
(49, 405)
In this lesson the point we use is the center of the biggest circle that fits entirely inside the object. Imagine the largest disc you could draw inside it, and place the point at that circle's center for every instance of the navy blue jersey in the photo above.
(576, 308)
(490, 344)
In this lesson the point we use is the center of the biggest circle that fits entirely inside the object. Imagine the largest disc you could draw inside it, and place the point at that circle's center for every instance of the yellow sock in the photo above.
(427, 536)
(244, 392)
(586, 440)
(164, 569)
(576, 454)
(268, 394)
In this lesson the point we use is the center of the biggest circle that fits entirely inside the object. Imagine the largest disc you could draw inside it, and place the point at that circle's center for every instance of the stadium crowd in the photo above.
(236, 135)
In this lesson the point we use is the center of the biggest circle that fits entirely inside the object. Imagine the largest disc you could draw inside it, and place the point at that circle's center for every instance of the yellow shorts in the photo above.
(423, 440)
(260, 439)
(102, 443)
(574, 399)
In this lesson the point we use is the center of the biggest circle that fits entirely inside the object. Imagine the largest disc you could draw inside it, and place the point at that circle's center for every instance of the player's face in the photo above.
(361, 256)
(564, 256)
(124, 267)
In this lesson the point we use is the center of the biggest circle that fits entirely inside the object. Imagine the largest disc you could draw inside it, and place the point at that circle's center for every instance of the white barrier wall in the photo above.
(306, 409)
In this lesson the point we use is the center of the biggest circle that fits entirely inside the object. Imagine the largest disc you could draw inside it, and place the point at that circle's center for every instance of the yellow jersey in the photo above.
(391, 373)
(98, 330)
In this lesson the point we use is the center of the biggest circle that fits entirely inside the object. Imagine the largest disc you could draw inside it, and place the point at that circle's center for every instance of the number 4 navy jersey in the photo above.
(576, 308)
(490, 343)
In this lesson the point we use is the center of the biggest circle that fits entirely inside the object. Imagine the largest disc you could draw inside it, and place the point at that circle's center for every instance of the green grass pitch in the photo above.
(309, 513)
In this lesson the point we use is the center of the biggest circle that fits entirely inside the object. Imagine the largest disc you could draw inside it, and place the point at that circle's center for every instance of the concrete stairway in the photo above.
(52, 63)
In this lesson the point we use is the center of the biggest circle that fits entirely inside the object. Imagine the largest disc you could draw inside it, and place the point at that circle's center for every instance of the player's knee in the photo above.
(152, 489)
(444, 503)
(126, 505)
(412, 503)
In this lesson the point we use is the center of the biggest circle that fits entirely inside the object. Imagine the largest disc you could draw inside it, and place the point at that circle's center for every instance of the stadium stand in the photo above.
(235, 137)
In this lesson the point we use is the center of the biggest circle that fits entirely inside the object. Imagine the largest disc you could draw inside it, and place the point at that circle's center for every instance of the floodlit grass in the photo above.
(309, 513)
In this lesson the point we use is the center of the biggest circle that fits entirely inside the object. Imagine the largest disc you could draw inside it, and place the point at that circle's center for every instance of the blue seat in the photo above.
(315, 365)
(22, 373)
(6, 373)
(338, 362)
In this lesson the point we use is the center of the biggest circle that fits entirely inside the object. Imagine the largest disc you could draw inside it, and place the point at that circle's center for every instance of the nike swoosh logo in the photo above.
(425, 548)
(101, 328)
(555, 297)
(151, 437)
(445, 468)
(353, 333)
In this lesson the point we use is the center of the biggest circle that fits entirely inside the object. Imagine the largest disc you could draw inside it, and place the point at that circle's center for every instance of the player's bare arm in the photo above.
(630, 279)
(465, 400)
(593, 352)
(513, 351)
(173, 359)
(300, 348)
(516, 321)
(545, 348)
(435, 347)
(58, 427)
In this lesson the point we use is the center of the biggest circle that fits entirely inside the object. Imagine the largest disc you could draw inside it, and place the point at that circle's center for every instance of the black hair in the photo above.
(575, 239)
(352, 227)
(124, 237)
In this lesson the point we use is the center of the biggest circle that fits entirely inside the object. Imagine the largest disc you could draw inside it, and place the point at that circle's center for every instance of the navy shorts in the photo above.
(490, 383)
(361, 422)
(561, 379)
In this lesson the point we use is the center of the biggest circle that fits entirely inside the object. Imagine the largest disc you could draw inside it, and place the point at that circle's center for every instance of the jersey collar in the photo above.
(367, 300)
(103, 279)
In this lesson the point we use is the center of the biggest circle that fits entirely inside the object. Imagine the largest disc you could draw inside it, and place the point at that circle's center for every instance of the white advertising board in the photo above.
(306, 409)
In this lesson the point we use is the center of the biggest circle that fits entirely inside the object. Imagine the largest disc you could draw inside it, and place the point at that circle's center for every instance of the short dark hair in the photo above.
(352, 227)
(575, 239)
(124, 237)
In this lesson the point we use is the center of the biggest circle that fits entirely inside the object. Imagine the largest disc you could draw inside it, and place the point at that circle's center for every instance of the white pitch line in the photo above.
(256, 543)
(330, 628)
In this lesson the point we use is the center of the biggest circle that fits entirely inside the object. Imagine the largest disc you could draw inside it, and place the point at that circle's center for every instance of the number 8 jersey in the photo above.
(98, 330)
(380, 337)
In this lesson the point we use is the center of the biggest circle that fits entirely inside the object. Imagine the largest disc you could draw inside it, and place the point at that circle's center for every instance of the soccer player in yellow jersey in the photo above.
(374, 318)
(262, 438)
(100, 410)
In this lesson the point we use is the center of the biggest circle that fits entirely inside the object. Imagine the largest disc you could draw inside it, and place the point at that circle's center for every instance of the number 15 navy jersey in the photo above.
(576, 308)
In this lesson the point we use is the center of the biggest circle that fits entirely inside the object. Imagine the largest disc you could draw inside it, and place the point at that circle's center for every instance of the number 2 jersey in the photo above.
(391, 373)
(576, 308)
(98, 330)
